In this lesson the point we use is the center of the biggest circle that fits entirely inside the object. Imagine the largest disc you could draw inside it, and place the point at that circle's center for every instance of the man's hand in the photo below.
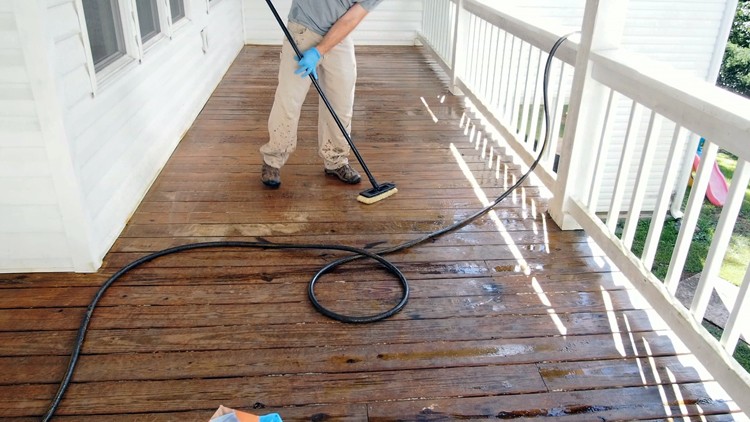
(308, 63)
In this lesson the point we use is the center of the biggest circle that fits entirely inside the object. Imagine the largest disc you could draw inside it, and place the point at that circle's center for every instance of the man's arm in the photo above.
(343, 27)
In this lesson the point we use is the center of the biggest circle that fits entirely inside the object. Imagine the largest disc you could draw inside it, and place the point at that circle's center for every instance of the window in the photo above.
(112, 39)
(178, 9)
(148, 19)
(105, 31)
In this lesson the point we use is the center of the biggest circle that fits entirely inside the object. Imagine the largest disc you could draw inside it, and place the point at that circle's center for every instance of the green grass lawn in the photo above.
(738, 253)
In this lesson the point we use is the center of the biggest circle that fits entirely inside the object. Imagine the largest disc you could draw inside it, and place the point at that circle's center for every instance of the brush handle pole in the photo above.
(324, 98)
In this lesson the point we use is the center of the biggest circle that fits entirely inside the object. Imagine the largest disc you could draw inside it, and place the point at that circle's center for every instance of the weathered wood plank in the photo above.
(378, 229)
(234, 255)
(304, 389)
(342, 358)
(524, 240)
(594, 405)
(273, 216)
(296, 197)
(465, 279)
(339, 413)
(143, 307)
(311, 335)
(607, 373)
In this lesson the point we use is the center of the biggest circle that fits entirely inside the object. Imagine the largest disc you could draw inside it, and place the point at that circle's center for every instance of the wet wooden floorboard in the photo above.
(509, 317)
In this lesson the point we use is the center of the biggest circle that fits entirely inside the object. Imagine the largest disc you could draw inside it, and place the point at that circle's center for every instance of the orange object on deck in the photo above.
(225, 414)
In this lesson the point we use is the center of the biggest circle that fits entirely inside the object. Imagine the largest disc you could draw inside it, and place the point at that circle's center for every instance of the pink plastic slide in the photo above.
(717, 185)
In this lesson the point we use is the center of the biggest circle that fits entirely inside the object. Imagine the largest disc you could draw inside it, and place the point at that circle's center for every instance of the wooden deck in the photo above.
(508, 318)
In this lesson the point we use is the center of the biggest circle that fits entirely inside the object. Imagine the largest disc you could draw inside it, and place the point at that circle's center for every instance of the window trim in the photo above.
(132, 38)
(168, 27)
(78, 6)
(184, 16)
(101, 77)
(160, 11)
(119, 35)
(174, 27)
(210, 3)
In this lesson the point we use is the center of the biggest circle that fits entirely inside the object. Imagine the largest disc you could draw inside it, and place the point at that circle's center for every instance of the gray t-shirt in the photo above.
(320, 15)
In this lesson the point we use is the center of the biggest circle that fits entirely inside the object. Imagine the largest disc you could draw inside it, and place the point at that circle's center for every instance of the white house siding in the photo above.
(39, 226)
(687, 34)
(393, 22)
(682, 33)
(74, 166)
(123, 136)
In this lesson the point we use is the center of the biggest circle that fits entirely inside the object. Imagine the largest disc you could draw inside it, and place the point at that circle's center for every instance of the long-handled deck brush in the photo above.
(378, 191)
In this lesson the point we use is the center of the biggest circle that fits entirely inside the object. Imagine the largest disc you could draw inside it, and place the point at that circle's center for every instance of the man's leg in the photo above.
(338, 76)
(290, 94)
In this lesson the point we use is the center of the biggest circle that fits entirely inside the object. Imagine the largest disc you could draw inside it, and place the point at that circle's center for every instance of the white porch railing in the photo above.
(609, 110)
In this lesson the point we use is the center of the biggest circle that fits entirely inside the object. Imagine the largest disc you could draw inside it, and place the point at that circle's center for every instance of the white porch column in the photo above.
(36, 47)
(458, 53)
(603, 24)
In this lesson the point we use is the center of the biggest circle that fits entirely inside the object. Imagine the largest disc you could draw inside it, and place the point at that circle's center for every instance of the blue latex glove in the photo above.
(308, 63)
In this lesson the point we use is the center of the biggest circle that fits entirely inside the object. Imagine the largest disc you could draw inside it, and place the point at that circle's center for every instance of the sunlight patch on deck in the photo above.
(429, 110)
(550, 310)
(635, 349)
(657, 379)
(612, 318)
(479, 192)
(514, 250)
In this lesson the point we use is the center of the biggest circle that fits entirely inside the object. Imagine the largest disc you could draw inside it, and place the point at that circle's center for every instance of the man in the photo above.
(321, 29)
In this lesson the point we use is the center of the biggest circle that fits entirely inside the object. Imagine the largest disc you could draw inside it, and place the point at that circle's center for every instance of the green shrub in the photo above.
(735, 69)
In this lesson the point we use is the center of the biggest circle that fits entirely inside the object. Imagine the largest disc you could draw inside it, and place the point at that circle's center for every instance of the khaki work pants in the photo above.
(337, 74)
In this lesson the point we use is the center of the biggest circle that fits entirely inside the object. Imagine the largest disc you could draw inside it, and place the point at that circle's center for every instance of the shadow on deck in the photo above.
(509, 317)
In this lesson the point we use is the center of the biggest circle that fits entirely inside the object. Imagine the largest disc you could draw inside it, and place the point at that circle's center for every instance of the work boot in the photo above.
(270, 176)
(346, 174)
